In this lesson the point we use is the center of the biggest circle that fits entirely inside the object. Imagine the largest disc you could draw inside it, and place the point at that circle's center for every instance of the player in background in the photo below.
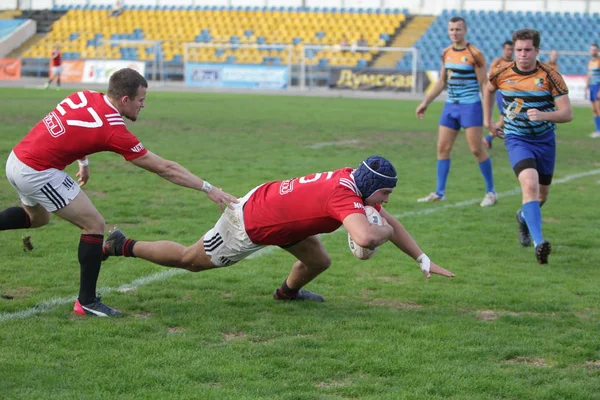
(55, 67)
(496, 65)
(553, 60)
(536, 98)
(291, 214)
(592, 88)
(84, 123)
(463, 74)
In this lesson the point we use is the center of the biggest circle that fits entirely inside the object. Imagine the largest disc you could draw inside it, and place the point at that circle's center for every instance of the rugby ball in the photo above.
(363, 253)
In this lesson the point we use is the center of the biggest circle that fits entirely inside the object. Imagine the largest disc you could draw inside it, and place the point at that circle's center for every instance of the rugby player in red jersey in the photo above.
(291, 214)
(84, 123)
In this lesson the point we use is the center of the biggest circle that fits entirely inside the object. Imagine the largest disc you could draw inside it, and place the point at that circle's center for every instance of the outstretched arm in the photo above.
(173, 172)
(404, 241)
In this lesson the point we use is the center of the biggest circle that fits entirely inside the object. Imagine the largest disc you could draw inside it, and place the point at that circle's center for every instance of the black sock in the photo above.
(90, 259)
(286, 291)
(14, 218)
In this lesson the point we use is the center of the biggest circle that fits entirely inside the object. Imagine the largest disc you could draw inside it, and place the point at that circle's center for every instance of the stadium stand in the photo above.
(82, 29)
(489, 29)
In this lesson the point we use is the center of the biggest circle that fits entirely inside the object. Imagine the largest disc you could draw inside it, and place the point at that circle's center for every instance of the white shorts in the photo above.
(52, 188)
(56, 70)
(228, 243)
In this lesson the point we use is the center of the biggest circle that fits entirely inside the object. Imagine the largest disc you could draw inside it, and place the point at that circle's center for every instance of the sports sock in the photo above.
(443, 169)
(90, 260)
(127, 249)
(14, 218)
(286, 292)
(486, 171)
(532, 215)
(597, 123)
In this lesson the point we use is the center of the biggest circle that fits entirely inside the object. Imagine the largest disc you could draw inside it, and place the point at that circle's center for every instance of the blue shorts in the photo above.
(540, 148)
(594, 92)
(500, 102)
(456, 116)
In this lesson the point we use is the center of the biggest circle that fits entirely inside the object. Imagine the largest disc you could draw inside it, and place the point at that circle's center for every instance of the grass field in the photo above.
(503, 328)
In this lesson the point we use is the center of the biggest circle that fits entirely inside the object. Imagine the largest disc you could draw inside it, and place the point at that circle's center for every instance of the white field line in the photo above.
(49, 305)
(325, 144)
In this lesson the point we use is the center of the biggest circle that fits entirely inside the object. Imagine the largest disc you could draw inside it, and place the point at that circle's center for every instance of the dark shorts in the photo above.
(456, 116)
(594, 92)
(537, 152)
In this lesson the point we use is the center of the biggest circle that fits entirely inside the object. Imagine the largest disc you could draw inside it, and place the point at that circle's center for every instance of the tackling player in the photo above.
(463, 75)
(84, 123)
(536, 98)
(290, 214)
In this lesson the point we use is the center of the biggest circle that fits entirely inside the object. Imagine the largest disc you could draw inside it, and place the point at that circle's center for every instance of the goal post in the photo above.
(119, 52)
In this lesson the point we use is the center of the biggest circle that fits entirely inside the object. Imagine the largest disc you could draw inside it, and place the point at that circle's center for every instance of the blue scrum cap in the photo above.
(373, 174)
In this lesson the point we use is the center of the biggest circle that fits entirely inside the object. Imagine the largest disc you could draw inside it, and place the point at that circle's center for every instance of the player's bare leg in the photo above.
(312, 261)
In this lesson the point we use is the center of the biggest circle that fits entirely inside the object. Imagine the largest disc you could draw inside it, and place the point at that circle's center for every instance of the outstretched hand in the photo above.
(83, 175)
(221, 198)
(436, 269)
(421, 110)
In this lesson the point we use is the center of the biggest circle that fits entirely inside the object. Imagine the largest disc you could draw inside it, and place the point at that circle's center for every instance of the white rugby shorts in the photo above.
(56, 70)
(52, 188)
(228, 243)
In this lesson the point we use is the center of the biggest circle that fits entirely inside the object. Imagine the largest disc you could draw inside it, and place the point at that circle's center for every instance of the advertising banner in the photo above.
(10, 69)
(236, 76)
(72, 71)
(376, 79)
(99, 71)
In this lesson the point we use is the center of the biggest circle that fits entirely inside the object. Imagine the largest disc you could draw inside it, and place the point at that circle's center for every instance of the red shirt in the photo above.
(285, 212)
(84, 123)
(55, 58)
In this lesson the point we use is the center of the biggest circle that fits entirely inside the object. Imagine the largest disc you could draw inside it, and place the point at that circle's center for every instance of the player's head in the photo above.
(594, 50)
(457, 29)
(507, 49)
(553, 56)
(527, 48)
(375, 178)
(127, 90)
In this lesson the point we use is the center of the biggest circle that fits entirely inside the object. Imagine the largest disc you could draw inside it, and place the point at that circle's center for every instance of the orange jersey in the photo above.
(498, 64)
(461, 80)
(552, 65)
(524, 90)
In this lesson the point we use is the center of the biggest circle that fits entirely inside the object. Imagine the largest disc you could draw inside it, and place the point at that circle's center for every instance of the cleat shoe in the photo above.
(113, 245)
(27, 245)
(489, 199)
(302, 295)
(46, 85)
(524, 237)
(431, 197)
(542, 251)
(595, 135)
(97, 308)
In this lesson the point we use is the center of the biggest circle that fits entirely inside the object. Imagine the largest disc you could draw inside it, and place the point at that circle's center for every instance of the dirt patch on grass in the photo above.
(533, 361)
(21, 292)
(386, 278)
(551, 220)
(174, 330)
(228, 337)
(330, 384)
(593, 364)
(492, 315)
(143, 315)
(394, 304)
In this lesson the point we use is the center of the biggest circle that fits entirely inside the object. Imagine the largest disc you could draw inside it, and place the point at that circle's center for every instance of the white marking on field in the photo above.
(49, 305)
(326, 144)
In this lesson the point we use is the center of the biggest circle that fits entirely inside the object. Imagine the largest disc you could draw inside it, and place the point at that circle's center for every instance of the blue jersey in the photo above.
(524, 90)
(594, 71)
(461, 81)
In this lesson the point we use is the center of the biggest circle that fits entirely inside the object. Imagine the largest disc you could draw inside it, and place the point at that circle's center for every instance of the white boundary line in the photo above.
(49, 305)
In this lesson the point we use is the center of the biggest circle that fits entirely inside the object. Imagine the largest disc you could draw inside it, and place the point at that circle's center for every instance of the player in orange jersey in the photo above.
(463, 75)
(495, 66)
(536, 98)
